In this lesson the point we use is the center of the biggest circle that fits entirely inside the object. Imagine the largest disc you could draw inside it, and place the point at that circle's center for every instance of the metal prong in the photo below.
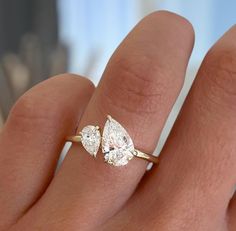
(109, 117)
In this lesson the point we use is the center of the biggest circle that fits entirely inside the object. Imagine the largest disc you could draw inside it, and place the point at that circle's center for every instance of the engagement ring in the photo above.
(117, 146)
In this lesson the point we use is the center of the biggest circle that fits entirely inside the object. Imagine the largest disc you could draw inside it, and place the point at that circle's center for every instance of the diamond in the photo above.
(117, 145)
(91, 139)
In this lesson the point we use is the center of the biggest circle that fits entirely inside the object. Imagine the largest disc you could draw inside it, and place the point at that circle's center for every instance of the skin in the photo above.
(193, 186)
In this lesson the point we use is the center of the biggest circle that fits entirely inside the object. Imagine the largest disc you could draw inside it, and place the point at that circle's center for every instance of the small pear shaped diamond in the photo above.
(117, 145)
(91, 139)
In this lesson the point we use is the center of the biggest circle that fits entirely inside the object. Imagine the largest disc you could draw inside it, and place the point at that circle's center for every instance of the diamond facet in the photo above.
(91, 139)
(117, 145)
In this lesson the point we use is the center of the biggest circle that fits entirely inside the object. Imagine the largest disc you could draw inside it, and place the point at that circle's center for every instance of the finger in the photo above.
(138, 88)
(32, 138)
(196, 176)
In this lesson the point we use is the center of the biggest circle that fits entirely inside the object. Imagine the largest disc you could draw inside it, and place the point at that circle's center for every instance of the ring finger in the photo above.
(196, 176)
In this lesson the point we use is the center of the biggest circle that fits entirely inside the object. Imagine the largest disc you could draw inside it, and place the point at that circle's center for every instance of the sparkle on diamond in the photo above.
(117, 145)
(91, 138)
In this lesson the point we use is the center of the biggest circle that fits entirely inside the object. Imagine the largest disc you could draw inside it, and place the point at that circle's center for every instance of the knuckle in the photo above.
(46, 108)
(43, 108)
(219, 68)
(32, 111)
(135, 86)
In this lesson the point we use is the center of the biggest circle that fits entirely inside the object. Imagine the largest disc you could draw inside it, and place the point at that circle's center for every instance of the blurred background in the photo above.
(41, 38)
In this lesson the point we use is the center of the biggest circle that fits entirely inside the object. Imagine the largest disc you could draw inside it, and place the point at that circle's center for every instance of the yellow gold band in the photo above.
(137, 153)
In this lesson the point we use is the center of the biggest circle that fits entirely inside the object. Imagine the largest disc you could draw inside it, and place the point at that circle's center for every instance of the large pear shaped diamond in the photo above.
(117, 145)
(91, 139)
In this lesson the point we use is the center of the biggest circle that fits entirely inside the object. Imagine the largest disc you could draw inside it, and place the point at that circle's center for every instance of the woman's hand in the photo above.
(191, 189)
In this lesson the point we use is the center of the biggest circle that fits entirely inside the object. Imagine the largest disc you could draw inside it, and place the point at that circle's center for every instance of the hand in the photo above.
(191, 189)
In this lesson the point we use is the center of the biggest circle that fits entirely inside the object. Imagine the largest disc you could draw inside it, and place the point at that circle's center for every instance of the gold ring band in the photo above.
(137, 153)
(117, 146)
